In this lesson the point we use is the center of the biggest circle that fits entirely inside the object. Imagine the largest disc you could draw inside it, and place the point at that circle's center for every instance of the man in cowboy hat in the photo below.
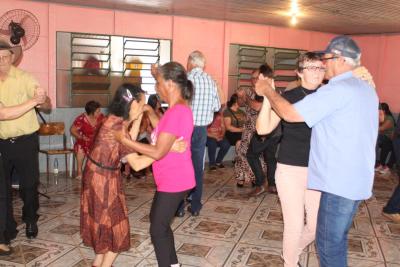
(9, 113)
(19, 142)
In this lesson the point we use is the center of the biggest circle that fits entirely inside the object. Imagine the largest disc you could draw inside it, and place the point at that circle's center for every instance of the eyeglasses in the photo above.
(314, 68)
(328, 58)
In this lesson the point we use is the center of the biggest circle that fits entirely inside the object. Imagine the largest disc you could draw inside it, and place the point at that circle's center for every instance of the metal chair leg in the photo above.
(47, 166)
(66, 165)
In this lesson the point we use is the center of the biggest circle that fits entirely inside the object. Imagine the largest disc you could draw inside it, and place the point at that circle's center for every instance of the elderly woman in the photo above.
(104, 215)
(173, 172)
(291, 172)
(84, 128)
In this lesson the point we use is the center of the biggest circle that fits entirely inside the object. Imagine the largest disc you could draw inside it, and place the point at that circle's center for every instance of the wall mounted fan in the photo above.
(21, 27)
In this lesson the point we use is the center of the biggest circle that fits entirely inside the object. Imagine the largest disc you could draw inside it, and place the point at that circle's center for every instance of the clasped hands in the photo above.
(263, 85)
(178, 146)
(39, 96)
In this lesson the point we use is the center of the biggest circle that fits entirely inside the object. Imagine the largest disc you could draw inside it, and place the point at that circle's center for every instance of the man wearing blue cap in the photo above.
(344, 118)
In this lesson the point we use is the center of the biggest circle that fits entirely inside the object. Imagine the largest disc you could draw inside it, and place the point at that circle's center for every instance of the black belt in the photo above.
(98, 164)
(18, 138)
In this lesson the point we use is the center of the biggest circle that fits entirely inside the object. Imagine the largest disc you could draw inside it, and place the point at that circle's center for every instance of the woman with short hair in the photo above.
(84, 128)
(291, 172)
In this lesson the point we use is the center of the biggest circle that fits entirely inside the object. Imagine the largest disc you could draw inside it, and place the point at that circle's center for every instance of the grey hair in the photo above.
(197, 59)
(352, 62)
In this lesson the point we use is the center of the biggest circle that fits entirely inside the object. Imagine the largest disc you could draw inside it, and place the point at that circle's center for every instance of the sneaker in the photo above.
(213, 168)
(220, 165)
(395, 217)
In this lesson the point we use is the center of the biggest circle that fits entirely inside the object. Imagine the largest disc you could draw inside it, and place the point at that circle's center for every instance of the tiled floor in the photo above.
(232, 229)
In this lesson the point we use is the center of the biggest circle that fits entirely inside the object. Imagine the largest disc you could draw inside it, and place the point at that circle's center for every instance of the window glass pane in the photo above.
(92, 66)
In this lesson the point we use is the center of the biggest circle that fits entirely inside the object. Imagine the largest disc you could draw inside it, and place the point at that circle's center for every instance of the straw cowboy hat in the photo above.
(16, 50)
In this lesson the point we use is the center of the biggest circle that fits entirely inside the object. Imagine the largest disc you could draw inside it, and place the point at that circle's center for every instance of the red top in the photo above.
(216, 127)
(87, 130)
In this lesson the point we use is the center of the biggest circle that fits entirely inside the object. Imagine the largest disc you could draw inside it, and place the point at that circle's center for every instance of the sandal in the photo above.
(4, 252)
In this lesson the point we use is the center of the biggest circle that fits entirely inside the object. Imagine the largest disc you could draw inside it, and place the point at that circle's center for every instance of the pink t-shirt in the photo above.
(174, 172)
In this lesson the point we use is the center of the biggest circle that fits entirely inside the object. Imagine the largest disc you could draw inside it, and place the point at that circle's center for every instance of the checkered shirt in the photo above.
(205, 99)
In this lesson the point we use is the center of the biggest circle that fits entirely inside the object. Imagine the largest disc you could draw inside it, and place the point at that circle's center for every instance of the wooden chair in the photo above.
(55, 129)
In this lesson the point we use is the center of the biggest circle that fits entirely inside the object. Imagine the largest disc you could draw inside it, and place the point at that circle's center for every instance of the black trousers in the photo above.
(22, 154)
(3, 203)
(161, 214)
(267, 147)
(386, 145)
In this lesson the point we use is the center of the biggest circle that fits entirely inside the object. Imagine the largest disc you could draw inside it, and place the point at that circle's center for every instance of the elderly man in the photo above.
(19, 142)
(9, 113)
(344, 119)
(206, 101)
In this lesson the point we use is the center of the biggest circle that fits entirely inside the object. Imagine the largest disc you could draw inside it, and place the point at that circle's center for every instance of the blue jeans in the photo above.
(212, 145)
(335, 216)
(199, 140)
(393, 205)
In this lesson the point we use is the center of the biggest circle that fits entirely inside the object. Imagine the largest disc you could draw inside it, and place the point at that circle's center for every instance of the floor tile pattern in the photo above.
(233, 229)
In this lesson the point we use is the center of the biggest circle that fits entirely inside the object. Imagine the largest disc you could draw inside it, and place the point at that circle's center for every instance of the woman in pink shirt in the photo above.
(173, 171)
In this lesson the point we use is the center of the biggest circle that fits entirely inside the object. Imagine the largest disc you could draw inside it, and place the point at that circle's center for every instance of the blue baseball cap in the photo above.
(344, 46)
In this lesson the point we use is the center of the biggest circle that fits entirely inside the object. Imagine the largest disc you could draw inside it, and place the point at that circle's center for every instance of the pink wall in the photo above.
(381, 55)
(380, 52)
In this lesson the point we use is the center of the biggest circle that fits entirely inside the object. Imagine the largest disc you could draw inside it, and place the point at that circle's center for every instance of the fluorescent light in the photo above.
(294, 12)
(293, 21)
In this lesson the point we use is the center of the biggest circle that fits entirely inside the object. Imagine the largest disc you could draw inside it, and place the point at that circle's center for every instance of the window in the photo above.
(91, 67)
(243, 59)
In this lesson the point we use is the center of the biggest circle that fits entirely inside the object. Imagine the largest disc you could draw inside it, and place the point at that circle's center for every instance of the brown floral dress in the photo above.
(242, 170)
(104, 215)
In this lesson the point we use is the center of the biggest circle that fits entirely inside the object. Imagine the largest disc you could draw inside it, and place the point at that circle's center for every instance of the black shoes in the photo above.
(180, 213)
(220, 165)
(240, 183)
(194, 213)
(31, 230)
(216, 166)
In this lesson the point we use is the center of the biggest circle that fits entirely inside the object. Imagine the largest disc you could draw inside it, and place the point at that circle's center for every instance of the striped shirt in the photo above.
(205, 99)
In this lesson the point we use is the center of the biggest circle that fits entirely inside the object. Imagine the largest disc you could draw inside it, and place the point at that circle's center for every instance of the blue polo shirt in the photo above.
(344, 119)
